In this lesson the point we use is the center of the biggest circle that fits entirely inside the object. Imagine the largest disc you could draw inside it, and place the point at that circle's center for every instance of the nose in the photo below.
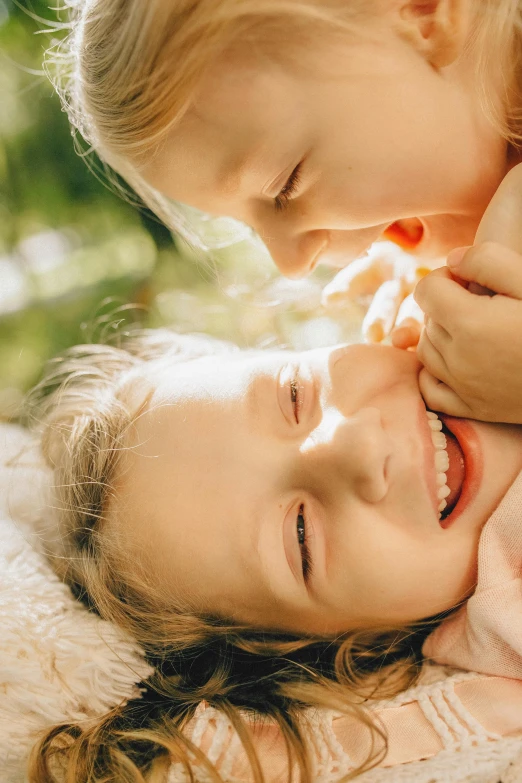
(296, 256)
(351, 450)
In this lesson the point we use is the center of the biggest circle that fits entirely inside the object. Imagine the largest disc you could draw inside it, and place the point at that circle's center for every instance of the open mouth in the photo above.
(456, 472)
(450, 466)
(407, 233)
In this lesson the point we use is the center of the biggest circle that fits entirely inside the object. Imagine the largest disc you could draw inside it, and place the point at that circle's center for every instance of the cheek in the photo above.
(378, 561)
(384, 568)
(443, 575)
(455, 573)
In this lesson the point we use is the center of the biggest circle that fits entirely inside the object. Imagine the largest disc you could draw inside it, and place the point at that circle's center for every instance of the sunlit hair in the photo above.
(83, 409)
(129, 70)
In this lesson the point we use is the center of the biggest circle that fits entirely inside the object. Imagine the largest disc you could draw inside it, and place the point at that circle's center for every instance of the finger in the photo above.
(360, 278)
(446, 273)
(492, 266)
(409, 311)
(437, 335)
(380, 318)
(480, 290)
(408, 324)
(432, 358)
(438, 396)
(406, 335)
(442, 298)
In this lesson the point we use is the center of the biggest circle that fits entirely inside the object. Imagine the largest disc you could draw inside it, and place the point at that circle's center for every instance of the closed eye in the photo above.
(295, 398)
(289, 189)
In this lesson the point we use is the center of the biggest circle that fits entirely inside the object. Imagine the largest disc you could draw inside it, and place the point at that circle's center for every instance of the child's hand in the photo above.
(471, 344)
(389, 275)
(408, 324)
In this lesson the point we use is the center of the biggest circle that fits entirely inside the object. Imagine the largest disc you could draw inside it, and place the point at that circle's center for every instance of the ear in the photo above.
(436, 28)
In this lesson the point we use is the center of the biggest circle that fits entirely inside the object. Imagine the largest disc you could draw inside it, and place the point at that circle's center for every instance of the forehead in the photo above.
(239, 118)
(251, 113)
(184, 480)
(196, 396)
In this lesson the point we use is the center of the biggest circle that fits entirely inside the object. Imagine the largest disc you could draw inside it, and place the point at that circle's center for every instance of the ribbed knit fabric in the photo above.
(466, 751)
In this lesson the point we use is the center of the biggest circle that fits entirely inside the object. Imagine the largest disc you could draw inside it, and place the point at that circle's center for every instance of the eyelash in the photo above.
(306, 556)
(301, 522)
(295, 398)
(284, 196)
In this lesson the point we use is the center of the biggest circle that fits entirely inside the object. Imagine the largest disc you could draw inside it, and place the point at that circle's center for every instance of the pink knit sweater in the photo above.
(485, 635)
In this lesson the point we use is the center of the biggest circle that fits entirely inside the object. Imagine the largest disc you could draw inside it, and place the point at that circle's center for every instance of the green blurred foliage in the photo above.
(71, 248)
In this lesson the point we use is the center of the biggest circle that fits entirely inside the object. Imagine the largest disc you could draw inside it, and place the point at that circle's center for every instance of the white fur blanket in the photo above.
(59, 663)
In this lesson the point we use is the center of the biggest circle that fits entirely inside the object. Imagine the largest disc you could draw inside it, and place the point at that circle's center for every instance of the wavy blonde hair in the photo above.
(129, 70)
(83, 409)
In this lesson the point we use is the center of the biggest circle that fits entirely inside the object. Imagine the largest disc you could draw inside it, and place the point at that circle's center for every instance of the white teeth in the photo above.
(441, 458)
(441, 461)
(443, 492)
(439, 440)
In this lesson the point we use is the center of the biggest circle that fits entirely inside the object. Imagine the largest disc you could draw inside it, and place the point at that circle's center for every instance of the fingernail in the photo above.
(455, 256)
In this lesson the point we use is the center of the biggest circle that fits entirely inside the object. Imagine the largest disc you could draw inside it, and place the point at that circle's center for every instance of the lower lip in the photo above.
(469, 442)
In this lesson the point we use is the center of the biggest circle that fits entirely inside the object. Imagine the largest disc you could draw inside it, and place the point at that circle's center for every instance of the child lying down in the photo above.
(279, 531)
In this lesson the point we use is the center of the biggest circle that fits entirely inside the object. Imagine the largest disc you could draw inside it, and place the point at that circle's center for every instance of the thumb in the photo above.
(502, 220)
(488, 268)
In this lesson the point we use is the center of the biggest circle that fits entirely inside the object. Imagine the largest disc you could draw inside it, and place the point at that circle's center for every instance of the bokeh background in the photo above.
(73, 252)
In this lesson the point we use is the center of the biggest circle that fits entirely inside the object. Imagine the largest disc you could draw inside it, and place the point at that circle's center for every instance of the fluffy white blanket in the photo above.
(59, 663)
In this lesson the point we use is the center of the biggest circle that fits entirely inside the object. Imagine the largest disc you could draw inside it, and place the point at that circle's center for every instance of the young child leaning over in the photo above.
(325, 125)
(279, 531)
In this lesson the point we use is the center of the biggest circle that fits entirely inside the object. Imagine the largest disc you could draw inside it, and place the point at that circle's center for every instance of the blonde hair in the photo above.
(128, 72)
(83, 408)
(129, 69)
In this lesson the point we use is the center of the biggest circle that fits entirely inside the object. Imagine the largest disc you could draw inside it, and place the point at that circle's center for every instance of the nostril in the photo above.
(386, 468)
(372, 488)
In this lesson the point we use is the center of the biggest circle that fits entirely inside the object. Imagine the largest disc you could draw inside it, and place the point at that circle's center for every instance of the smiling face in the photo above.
(358, 138)
(236, 459)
